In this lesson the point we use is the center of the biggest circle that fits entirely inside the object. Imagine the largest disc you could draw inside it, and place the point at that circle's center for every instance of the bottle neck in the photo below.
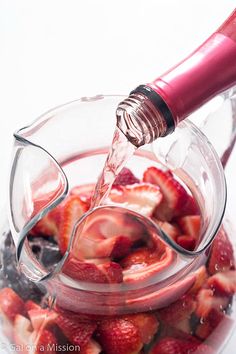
(154, 110)
(140, 120)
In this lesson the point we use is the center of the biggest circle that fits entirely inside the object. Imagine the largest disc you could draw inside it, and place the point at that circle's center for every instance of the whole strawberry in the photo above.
(119, 336)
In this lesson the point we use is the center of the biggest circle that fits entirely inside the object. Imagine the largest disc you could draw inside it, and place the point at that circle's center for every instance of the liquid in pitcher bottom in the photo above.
(114, 251)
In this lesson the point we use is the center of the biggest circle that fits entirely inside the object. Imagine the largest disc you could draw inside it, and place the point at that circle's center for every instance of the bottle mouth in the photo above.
(139, 120)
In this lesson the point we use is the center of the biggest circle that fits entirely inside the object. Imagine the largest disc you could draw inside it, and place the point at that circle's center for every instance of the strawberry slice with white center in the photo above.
(222, 254)
(223, 282)
(91, 348)
(201, 277)
(142, 198)
(73, 210)
(84, 191)
(10, 303)
(41, 318)
(190, 225)
(174, 194)
(30, 341)
(49, 224)
(171, 230)
(206, 301)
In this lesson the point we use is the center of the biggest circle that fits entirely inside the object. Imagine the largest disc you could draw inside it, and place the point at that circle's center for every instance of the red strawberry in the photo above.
(72, 211)
(178, 311)
(190, 225)
(201, 277)
(49, 224)
(110, 272)
(191, 207)
(31, 305)
(46, 340)
(84, 191)
(146, 323)
(25, 338)
(223, 282)
(121, 247)
(41, 318)
(206, 301)
(143, 263)
(119, 336)
(141, 257)
(211, 321)
(114, 247)
(91, 348)
(76, 331)
(142, 198)
(170, 345)
(125, 177)
(187, 242)
(174, 194)
(172, 230)
(10, 303)
(222, 255)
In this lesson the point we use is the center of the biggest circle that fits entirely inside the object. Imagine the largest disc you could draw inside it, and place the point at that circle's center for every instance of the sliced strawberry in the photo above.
(33, 341)
(144, 263)
(201, 277)
(125, 177)
(174, 194)
(10, 303)
(223, 282)
(110, 272)
(91, 348)
(172, 230)
(146, 323)
(206, 301)
(222, 255)
(41, 318)
(119, 336)
(84, 191)
(215, 329)
(114, 247)
(46, 340)
(178, 311)
(211, 321)
(31, 305)
(72, 211)
(170, 345)
(121, 247)
(190, 208)
(187, 242)
(190, 225)
(141, 257)
(142, 198)
(49, 224)
(76, 331)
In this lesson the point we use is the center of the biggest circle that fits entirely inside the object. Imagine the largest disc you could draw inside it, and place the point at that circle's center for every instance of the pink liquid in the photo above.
(121, 151)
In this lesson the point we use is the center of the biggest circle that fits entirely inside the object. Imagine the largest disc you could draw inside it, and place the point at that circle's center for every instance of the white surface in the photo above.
(54, 51)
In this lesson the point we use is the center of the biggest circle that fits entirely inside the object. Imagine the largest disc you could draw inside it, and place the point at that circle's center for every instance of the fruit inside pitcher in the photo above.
(121, 251)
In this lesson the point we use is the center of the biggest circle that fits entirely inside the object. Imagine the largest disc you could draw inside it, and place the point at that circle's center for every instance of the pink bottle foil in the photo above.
(208, 71)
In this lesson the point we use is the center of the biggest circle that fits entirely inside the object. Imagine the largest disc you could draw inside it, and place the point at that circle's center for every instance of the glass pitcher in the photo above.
(149, 270)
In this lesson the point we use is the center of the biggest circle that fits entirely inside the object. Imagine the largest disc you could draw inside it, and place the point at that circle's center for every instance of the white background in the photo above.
(54, 51)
